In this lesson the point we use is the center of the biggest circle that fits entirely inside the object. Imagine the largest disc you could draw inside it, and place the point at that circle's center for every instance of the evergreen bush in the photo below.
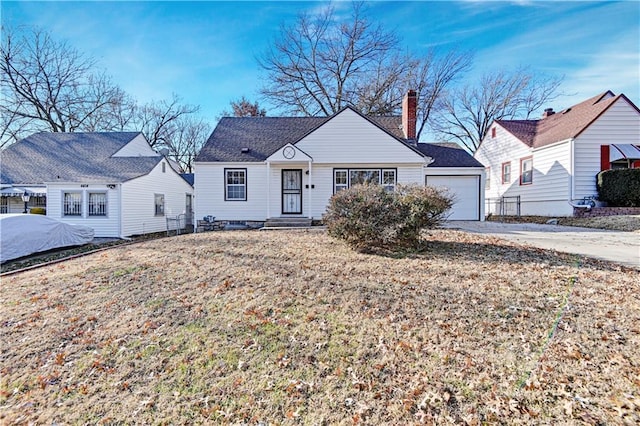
(369, 217)
(619, 187)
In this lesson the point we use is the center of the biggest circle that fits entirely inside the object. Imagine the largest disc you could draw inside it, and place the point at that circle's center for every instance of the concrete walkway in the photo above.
(615, 246)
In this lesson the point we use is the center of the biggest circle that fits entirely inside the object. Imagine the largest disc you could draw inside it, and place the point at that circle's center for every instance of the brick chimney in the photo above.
(548, 112)
(409, 105)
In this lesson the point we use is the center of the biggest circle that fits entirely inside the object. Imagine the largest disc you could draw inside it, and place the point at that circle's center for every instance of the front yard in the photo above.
(292, 327)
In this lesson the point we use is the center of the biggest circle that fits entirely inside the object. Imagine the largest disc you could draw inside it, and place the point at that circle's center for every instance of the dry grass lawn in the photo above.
(294, 328)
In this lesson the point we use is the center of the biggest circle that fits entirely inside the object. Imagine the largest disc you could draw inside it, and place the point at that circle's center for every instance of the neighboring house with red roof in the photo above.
(552, 163)
(262, 169)
(113, 182)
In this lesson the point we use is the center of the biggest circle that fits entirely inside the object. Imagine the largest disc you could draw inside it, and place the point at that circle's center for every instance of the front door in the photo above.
(292, 191)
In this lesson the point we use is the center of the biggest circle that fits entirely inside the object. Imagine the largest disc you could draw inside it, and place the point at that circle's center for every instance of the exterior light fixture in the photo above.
(25, 198)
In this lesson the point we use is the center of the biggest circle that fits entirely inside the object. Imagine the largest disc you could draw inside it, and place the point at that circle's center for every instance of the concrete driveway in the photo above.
(615, 246)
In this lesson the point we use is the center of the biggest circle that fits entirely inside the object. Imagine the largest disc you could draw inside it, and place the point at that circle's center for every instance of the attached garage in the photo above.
(466, 192)
(455, 169)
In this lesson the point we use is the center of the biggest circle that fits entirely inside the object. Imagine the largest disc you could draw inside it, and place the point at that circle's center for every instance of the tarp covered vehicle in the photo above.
(25, 234)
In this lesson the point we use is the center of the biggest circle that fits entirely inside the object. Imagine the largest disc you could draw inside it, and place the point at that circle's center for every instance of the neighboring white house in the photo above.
(551, 163)
(113, 182)
(257, 168)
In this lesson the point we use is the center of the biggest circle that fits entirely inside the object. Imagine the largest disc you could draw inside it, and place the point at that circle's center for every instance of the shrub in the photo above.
(620, 187)
(38, 210)
(369, 217)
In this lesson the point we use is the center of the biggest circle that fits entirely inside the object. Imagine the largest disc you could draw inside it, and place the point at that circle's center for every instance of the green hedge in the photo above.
(619, 188)
(38, 210)
(369, 217)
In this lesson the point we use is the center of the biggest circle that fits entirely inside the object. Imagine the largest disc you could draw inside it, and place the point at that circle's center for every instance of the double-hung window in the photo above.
(506, 172)
(341, 180)
(72, 204)
(159, 204)
(97, 204)
(389, 180)
(526, 171)
(235, 188)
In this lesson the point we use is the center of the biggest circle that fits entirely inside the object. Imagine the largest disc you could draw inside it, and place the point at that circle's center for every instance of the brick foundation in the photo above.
(606, 211)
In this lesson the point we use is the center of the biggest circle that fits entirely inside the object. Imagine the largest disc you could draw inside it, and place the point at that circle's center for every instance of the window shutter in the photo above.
(605, 164)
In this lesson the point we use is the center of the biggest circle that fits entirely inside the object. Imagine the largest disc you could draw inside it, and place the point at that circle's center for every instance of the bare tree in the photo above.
(244, 108)
(468, 111)
(320, 65)
(186, 141)
(159, 120)
(315, 66)
(49, 86)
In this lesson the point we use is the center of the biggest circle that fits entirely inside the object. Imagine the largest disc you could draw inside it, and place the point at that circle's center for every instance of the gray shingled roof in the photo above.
(262, 135)
(265, 135)
(72, 157)
(448, 155)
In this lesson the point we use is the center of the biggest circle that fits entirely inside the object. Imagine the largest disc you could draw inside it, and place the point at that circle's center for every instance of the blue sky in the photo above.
(205, 51)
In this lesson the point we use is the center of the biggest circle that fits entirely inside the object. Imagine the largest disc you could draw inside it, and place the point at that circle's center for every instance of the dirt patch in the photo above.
(293, 327)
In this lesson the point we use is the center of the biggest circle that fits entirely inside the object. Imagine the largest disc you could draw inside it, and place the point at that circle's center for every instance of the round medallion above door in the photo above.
(289, 152)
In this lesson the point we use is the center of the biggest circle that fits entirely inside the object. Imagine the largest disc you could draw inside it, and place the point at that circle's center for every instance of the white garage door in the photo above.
(465, 189)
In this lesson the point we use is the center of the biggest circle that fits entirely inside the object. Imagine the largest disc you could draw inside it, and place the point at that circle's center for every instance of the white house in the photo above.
(255, 169)
(551, 164)
(113, 182)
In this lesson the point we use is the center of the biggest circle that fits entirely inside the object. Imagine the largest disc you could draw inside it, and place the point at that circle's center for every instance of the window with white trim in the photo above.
(526, 171)
(97, 204)
(159, 204)
(235, 185)
(346, 178)
(389, 180)
(72, 204)
(341, 181)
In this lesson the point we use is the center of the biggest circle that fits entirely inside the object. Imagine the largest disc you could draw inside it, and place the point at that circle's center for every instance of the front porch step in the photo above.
(287, 222)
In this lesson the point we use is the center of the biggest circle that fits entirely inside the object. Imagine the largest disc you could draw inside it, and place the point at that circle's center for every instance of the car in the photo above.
(25, 234)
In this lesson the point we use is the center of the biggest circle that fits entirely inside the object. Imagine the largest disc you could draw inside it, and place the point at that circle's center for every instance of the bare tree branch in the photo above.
(319, 65)
(467, 112)
(49, 86)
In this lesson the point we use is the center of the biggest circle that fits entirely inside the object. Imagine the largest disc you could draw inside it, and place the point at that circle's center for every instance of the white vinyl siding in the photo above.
(351, 139)
(138, 201)
(103, 226)
(620, 124)
(137, 147)
(210, 191)
(549, 193)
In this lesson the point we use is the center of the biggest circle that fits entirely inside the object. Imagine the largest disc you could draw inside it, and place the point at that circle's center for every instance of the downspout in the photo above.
(121, 210)
(310, 190)
(572, 180)
(268, 190)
